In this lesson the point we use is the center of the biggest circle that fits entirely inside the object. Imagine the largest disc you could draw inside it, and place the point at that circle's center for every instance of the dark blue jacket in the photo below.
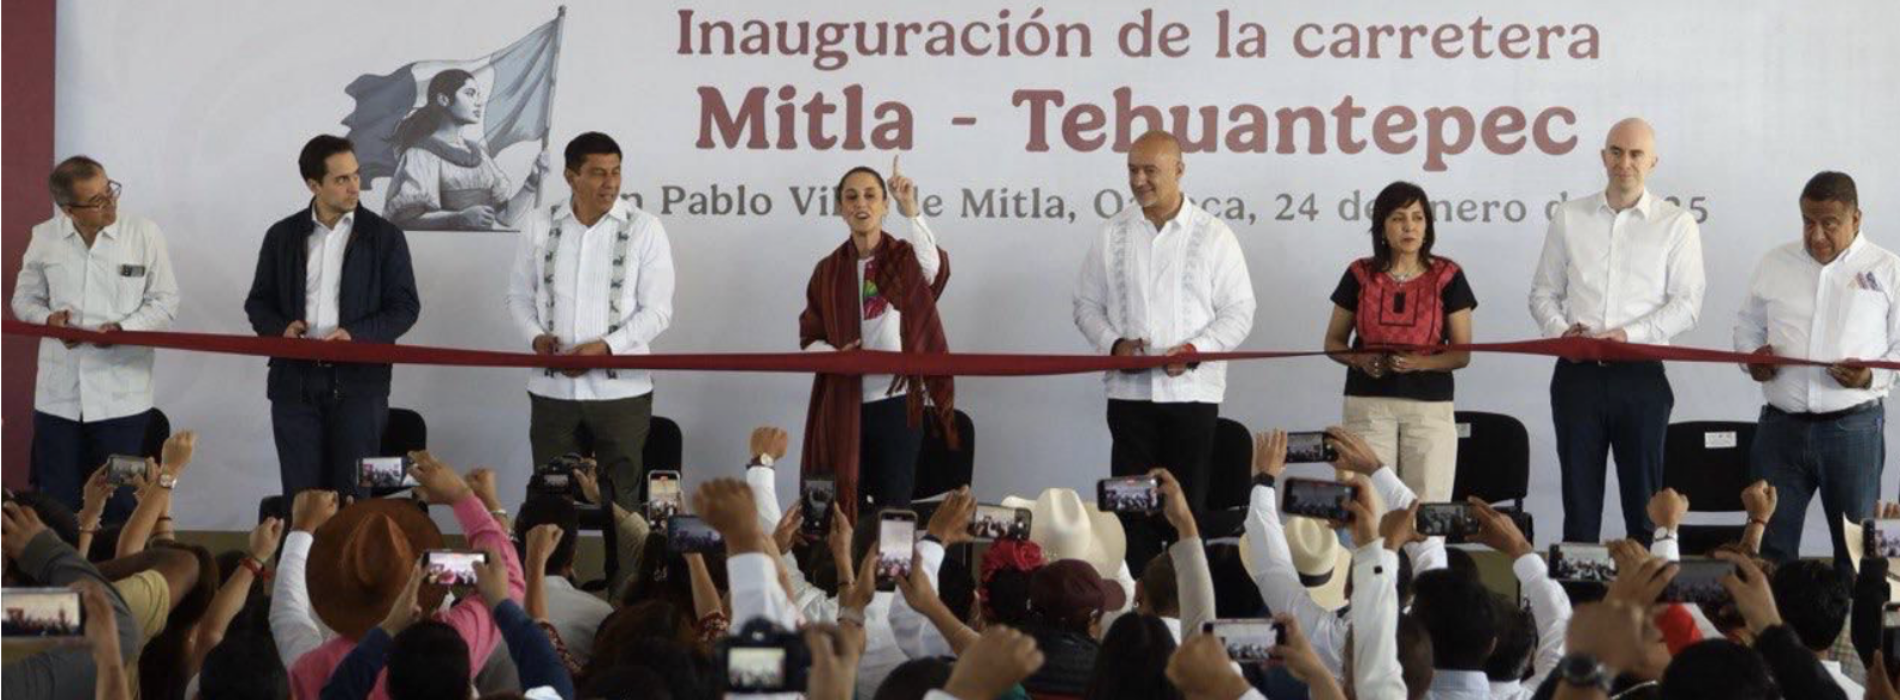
(376, 299)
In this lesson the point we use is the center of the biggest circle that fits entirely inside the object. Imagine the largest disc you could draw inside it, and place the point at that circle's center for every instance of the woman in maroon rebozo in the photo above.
(875, 292)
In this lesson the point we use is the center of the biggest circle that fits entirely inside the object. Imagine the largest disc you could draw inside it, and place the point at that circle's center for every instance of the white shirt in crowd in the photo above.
(124, 278)
(1186, 282)
(323, 274)
(1279, 582)
(1639, 269)
(1848, 686)
(583, 279)
(1844, 309)
(885, 331)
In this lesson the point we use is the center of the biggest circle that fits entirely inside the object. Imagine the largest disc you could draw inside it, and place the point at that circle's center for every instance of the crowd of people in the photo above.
(351, 609)
(1102, 600)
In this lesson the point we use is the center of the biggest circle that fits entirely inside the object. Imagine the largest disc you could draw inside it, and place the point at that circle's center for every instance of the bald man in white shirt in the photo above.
(1829, 297)
(1623, 265)
(1163, 277)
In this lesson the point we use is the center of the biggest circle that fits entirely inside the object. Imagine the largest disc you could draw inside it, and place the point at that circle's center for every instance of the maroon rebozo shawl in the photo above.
(832, 314)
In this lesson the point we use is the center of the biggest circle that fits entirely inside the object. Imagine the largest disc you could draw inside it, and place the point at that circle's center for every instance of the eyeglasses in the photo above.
(113, 188)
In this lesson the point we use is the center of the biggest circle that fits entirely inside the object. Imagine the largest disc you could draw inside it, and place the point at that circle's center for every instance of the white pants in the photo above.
(1418, 439)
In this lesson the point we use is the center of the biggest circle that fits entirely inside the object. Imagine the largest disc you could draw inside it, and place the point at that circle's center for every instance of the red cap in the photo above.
(1069, 589)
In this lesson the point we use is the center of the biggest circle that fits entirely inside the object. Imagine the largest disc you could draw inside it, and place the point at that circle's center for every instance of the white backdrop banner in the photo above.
(736, 118)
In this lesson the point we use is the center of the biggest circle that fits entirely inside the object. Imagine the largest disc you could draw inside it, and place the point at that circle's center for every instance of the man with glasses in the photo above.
(96, 270)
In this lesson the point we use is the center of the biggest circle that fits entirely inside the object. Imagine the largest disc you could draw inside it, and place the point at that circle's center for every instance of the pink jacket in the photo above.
(470, 617)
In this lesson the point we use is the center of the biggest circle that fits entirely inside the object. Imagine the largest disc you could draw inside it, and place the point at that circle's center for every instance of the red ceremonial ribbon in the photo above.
(851, 362)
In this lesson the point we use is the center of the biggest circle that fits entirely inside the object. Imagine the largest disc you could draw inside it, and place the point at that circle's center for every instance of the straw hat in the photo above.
(1067, 528)
(1319, 559)
(361, 560)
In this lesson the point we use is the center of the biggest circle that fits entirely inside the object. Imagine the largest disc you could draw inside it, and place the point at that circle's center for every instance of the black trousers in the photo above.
(1619, 408)
(887, 454)
(322, 433)
(66, 452)
(1175, 436)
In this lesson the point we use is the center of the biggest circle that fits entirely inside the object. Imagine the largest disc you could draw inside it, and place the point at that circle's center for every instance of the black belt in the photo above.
(1830, 415)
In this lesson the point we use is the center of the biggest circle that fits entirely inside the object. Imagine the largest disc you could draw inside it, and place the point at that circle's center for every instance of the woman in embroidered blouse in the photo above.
(447, 181)
(875, 292)
(1403, 296)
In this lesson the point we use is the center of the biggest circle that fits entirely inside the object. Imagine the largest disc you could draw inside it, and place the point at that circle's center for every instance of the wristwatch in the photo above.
(1263, 480)
(1664, 534)
(1584, 671)
(167, 481)
(762, 460)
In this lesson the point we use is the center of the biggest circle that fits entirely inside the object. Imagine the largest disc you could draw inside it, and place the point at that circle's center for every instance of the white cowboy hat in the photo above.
(1067, 528)
(1318, 558)
(1852, 535)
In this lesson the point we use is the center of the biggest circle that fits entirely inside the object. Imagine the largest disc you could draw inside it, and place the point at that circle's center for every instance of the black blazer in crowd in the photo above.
(376, 300)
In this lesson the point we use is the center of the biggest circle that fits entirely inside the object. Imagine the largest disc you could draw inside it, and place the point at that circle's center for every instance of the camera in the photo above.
(763, 658)
(556, 478)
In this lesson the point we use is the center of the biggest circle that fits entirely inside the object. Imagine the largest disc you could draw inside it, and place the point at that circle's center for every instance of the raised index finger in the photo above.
(894, 165)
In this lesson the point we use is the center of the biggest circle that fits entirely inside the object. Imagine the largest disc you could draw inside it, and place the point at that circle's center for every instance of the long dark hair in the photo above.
(1133, 661)
(422, 122)
(1394, 197)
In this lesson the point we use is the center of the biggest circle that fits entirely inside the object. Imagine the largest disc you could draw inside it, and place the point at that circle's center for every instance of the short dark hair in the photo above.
(1718, 668)
(837, 193)
(682, 671)
(1158, 587)
(1394, 197)
(592, 143)
(1133, 660)
(52, 512)
(1832, 186)
(1814, 599)
(1415, 657)
(67, 173)
(311, 163)
(914, 679)
(546, 509)
(1005, 596)
(428, 661)
(243, 667)
(1404, 580)
(1456, 609)
(624, 683)
(1517, 639)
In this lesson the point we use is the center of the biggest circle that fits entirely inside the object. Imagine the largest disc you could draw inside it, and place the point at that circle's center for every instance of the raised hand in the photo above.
(951, 523)
(1269, 453)
(311, 509)
(770, 441)
(1667, 507)
(1355, 455)
(1760, 499)
(439, 484)
(264, 539)
(903, 191)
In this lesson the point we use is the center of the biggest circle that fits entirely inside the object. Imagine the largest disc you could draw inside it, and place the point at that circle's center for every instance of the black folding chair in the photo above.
(1494, 463)
(664, 450)
(1229, 480)
(941, 469)
(158, 429)
(1708, 461)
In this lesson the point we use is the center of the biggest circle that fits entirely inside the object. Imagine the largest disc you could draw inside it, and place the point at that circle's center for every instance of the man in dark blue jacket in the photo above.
(334, 272)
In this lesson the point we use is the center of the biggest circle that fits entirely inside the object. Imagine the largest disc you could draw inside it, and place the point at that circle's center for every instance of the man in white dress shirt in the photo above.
(91, 268)
(1623, 265)
(1163, 277)
(1829, 297)
(593, 276)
